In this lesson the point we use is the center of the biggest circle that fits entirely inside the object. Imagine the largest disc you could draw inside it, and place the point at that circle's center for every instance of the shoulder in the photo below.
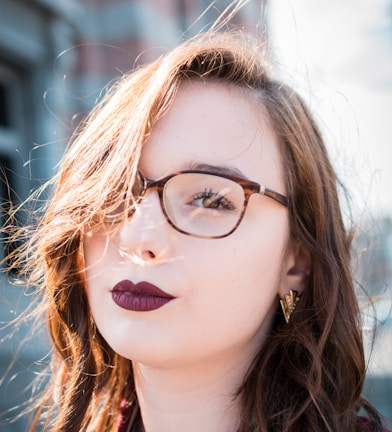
(123, 420)
(129, 417)
(366, 424)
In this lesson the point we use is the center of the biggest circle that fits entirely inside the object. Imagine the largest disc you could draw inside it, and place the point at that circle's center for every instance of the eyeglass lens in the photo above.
(203, 204)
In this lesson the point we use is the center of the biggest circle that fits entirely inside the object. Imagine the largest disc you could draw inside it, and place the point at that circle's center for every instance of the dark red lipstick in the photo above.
(140, 297)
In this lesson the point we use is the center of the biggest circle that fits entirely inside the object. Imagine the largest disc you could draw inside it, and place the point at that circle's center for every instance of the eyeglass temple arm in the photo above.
(281, 199)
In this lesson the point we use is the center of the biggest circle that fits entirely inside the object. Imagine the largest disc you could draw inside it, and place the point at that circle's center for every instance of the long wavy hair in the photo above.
(309, 374)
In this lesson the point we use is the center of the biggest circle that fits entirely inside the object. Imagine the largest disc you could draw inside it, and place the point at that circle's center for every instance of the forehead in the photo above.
(216, 124)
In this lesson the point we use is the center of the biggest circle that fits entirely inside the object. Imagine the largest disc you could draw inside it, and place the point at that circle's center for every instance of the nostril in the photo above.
(148, 254)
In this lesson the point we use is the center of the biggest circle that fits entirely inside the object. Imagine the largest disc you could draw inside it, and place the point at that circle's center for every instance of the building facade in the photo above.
(32, 34)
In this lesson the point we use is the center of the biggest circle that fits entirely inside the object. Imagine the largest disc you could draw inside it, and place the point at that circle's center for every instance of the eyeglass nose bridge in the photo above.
(147, 184)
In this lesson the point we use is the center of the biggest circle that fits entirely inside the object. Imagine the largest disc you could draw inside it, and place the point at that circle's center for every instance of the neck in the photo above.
(189, 398)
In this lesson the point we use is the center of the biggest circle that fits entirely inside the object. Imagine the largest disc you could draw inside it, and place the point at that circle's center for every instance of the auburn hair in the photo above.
(309, 375)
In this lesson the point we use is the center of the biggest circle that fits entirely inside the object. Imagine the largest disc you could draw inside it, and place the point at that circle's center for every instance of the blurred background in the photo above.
(56, 56)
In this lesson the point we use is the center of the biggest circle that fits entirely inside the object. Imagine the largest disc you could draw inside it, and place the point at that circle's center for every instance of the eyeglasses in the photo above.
(202, 203)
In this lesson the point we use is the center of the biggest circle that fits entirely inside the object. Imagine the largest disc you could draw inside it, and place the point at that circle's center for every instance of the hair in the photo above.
(309, 374)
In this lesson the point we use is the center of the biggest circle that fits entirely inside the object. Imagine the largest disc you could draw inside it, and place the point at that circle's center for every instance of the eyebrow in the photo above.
(219, 169)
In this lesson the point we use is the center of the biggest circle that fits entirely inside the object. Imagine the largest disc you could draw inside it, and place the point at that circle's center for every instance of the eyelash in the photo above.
(221, 200)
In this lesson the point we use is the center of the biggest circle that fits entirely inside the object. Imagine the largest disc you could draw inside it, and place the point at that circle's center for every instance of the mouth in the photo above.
(140, 297)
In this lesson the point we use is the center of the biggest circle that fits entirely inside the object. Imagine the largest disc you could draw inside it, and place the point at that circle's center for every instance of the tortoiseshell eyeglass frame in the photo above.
(142, 184)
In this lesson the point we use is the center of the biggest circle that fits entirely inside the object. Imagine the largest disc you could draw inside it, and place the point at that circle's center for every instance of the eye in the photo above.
(211, 200)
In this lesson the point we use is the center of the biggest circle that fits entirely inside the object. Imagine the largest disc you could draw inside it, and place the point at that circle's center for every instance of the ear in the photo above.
(297, 269)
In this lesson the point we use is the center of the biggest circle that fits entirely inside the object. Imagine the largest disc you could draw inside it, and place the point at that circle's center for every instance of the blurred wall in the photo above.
(32, 34)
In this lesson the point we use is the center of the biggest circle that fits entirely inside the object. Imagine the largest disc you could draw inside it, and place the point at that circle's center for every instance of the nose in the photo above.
(144, 237)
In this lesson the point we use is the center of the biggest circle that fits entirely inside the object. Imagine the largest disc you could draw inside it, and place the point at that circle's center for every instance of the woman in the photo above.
(194, 261)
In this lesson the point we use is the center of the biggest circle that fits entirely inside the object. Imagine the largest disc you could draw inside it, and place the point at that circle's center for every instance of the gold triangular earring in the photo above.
(288, 303)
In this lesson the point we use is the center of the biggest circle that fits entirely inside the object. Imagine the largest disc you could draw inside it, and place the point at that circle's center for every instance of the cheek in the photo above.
(233, 297)
(255, 252)
(241, 274)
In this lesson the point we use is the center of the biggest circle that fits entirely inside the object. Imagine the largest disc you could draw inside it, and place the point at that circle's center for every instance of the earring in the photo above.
(288, 303)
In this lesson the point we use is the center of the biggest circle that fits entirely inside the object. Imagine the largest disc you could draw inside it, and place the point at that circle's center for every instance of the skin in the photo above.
(190, 356)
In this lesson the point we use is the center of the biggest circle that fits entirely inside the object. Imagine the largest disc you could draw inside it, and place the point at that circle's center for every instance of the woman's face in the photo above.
(219, 295)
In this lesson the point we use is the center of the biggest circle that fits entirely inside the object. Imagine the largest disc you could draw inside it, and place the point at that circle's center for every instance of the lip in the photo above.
(140, 297)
